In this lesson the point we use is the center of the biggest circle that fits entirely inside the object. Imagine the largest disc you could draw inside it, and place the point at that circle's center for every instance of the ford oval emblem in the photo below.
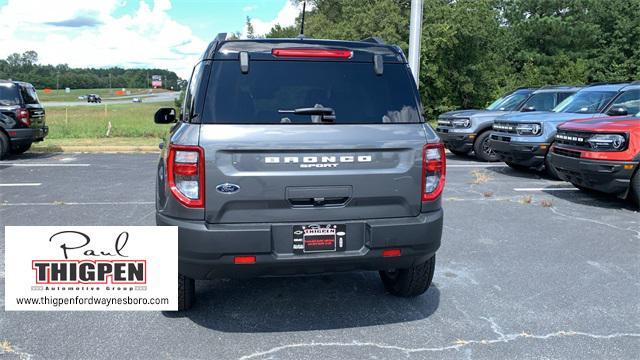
(227, 188)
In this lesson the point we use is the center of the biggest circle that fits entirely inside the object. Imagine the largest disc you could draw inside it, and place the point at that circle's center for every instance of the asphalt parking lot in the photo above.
(529, 268)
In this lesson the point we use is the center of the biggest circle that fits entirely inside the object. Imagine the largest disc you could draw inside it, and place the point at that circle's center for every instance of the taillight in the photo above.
(313, 53)
(22, 115)
(434, 168)
(185, 174)
(239, 260)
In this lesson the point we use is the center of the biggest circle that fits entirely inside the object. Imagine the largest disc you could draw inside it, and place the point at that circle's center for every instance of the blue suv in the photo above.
(522, 140)
(466, 130)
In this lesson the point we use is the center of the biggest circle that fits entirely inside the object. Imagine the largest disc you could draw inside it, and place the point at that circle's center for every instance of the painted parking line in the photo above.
(63, 203)
(475, 165)
(20, 184)
(547, 189)
(43, 165)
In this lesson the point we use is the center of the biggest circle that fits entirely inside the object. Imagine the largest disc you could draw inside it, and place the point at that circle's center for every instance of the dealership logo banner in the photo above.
(91, 268)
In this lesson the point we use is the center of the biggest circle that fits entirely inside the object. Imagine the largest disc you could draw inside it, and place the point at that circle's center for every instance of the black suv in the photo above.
(22, 117)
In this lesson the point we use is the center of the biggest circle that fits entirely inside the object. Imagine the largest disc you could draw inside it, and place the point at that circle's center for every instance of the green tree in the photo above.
(250, 31)
(25, 67)
(283, 32)
(462, 55)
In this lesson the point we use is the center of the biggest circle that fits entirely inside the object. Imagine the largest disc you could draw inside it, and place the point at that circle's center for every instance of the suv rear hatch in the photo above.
(361, 159)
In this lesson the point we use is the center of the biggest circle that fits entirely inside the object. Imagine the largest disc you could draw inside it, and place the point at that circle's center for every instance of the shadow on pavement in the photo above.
(304, 303)
(34, 155)
(468, 156)
(522, 173)
(594, 199)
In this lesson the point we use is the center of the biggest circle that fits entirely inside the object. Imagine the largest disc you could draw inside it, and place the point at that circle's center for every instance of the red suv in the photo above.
(600, 154)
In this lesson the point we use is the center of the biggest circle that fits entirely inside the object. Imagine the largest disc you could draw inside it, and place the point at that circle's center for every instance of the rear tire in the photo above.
(4, 145)
(482, 148)
(19, 149)
(186, 292)
(409, 282)
(635, 189)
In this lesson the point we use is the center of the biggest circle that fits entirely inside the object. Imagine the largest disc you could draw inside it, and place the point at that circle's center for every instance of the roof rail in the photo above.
(607, 83)
(632, 83)
(558, 86)
(374, 39)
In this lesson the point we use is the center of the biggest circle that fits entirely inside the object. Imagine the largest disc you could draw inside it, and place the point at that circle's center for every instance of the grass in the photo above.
(480, 177)
(102, 144)
(5, 347)
(526, 199)
(546, 203)
(133, 120)
(60, 95)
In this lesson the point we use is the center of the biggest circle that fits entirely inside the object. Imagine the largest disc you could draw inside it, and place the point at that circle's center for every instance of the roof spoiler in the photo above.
(213, 45)
(374, 39)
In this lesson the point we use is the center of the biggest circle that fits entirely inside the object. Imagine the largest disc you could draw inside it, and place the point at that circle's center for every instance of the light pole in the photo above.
(415, 34)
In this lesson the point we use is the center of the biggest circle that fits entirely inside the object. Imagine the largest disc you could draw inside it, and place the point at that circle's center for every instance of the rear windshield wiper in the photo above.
(326, 114)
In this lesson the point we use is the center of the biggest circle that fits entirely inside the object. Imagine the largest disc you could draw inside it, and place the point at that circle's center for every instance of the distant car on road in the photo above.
(600, 154)
(466, 130)
(94, 98)
(136, 100)
(22, 117)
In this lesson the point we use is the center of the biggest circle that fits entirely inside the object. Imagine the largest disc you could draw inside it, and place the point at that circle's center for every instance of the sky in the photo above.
(167, 34)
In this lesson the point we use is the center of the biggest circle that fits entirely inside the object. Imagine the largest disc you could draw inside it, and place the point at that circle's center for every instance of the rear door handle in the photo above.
(319, 196)
(318, 201)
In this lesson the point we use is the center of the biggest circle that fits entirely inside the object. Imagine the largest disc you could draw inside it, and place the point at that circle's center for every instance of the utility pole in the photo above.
(415, 35)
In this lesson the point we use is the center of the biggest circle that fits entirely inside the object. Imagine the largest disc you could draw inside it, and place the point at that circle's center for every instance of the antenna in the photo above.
(304, 5)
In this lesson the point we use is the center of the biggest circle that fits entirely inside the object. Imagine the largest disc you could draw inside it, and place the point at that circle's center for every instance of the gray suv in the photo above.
(300, 156)
(465, 130)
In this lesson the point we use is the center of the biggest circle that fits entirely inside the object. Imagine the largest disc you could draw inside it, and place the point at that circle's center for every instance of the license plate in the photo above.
(319, 238)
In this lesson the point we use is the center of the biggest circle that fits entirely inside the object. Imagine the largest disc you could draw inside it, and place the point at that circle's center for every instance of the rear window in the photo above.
(353, 90)
(544, 101)
(508, 102)
(629, 100)
(9, 94)
(29, 94)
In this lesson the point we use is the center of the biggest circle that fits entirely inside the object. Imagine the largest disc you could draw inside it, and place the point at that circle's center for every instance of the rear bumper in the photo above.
(206, 251)
(27, 136)
(521, 153)
(606, 176)
(456, 141)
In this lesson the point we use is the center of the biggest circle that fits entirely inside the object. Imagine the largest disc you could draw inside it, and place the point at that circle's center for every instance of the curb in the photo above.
(98, 149)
